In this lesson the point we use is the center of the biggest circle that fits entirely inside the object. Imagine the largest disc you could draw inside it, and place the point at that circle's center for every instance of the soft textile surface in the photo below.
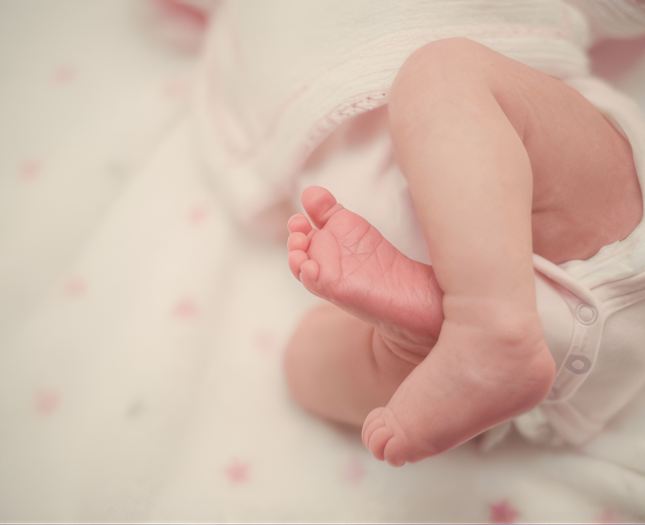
(141, 331)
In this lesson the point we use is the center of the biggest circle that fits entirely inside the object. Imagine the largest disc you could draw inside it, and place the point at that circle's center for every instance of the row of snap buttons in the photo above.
(579, 362)
(576, 363)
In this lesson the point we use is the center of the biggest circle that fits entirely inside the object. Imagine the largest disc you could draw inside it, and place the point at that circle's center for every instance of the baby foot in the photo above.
(349, 263)
(472, 380)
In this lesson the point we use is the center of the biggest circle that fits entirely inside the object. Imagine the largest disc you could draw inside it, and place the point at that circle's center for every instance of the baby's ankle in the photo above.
(493, 313)
(507, 324)
(403, 349)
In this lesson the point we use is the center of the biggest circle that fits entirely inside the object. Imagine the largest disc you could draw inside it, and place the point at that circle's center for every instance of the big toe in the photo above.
(319, 204)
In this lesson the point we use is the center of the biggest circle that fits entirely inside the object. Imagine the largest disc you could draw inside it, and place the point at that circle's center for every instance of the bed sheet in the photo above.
(141, 330)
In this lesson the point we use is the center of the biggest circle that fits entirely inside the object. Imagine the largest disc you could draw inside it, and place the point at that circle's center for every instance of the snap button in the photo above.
(554, 394)
(578, 364)
(586, 314)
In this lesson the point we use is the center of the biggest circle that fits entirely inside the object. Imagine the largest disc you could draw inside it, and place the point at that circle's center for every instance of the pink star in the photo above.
(75, 287)
(608, 516)
(265, 341)
(354, 471)
(64, 74)
(46, 401)
(237, 472)
(185, 308)
(30, 170)
(502, 512)
(197, 215)
(175, 89)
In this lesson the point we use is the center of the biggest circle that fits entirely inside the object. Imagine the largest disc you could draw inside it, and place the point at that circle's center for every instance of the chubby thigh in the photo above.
(586, 192)
(338, 366)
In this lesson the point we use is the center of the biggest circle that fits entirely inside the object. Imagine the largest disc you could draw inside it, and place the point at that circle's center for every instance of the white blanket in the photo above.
(142, 330)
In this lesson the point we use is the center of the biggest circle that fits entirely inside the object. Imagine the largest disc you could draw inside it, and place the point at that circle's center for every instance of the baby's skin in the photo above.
(501, 161)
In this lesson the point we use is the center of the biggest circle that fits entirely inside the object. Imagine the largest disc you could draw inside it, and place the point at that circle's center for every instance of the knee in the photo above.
(440, 65)
(448, 52)
(433, 76)
(450, 72)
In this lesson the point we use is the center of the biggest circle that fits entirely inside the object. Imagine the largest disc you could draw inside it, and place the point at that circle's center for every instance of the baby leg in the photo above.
(339, 367)
(471, 182)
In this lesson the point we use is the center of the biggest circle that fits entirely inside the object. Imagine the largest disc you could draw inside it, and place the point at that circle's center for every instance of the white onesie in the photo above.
(279, 77)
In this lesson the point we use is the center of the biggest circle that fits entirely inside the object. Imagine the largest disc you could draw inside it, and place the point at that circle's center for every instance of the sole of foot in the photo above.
(346, 261)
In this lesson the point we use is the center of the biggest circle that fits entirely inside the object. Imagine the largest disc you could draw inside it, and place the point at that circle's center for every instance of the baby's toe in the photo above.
(397, 452)
(296, 259)
(384, 438)
(299, 223)
(371, 423)
(376, 434)
(298, 241)
(319, 204)
(378, 441)
(309, 272)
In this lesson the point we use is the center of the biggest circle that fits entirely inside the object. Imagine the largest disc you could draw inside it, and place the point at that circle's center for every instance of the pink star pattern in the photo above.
(197, 215)
(30, 170)
(608, 516)
(264, 340)
(237, 472)
(354, 471)
(64, 74)
(175, 89)
(502, 512)
(47, 400)
(185, 308)
(75, 287)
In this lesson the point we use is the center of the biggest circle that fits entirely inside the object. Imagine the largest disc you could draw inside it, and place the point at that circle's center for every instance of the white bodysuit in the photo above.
(278, 78)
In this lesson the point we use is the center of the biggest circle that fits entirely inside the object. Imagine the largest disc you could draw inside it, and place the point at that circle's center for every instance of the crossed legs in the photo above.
(455, 348)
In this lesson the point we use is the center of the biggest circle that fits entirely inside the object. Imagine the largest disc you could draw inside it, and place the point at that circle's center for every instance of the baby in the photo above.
(501, 161)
